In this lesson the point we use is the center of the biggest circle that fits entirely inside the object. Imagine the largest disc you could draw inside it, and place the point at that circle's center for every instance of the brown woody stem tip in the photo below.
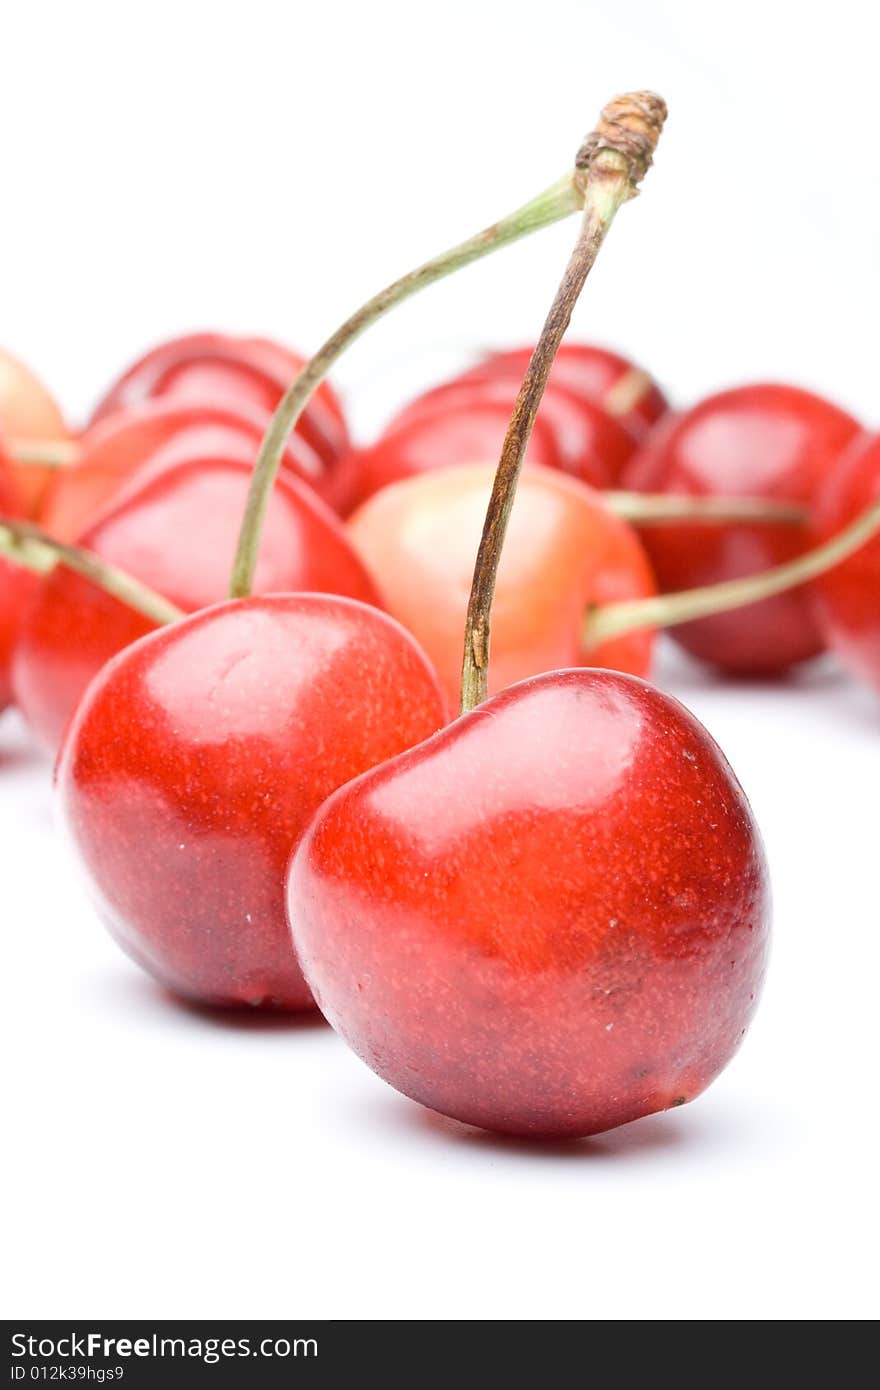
(630, 127)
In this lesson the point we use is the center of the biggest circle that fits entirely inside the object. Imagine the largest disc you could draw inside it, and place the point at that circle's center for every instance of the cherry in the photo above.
(590, 444)
(174, 530)
(198, 757)
(567, 553)
(28, 416)
(434, 439)
(767, 441)
(115, 448)
(17, 588)
(549, 919)
(594, 373)
(9, 494)
(847, 598)
(217, 369)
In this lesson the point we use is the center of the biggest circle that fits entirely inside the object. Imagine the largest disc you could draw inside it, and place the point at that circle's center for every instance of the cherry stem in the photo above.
(34, 549)
(558, 201)
(626, 392)
(43, 453)
(658, 509)
(613, 161)
(668, 610)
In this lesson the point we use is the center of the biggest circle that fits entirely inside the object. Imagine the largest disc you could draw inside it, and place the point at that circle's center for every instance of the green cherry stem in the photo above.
(658, 509)
(613, 161)
(556, 202)
(667, 610)
(43, 453)
(34, 549)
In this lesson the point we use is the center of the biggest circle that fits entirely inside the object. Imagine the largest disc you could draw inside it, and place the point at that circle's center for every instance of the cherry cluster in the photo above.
(548, 915)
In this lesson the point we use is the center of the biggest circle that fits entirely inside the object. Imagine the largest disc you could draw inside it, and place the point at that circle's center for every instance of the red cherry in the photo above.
(565, 552)
(768, 441)
(198, 757)
(17, 588)
(847, 598)
(549, 919)
(218, 369)
(435, 438)
(594, 374)
(591, 445)
(175, 531)
(28, 414)
(283, 362)
(10, 501)
(120, 445)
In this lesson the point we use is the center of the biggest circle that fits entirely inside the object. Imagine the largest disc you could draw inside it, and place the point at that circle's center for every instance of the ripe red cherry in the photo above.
(119, 445)
(28, 414)
(768, 441)
(594, 373)
(218, 369)
(176, 531)
(10, 501)
(197, 759)
(434, 438)
(847, 598)
(564, 553)
(590, 444)
(549, 919)
(17, 587)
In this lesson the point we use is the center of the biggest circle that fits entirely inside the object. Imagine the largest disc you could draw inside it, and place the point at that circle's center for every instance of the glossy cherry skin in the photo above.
(17, 589)
(118, 446)
(591, 445)
(435, 438)
(220, 369)
(769, 441)
(28, 413)
(847, 598)
(549, 919)
(10, 501)
(593, 373)
(564, 552)
(176, 531)
(197, 759)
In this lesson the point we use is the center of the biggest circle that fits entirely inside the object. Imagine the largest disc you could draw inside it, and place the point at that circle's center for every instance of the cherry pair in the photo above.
(549, 918)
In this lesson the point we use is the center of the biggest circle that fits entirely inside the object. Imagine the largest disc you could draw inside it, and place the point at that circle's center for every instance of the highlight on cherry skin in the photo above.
(197, 758)
(174, 528)
(565, 552)
(549, 919)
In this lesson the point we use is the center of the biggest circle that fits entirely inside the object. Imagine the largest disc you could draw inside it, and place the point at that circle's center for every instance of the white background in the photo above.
(261, 167)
